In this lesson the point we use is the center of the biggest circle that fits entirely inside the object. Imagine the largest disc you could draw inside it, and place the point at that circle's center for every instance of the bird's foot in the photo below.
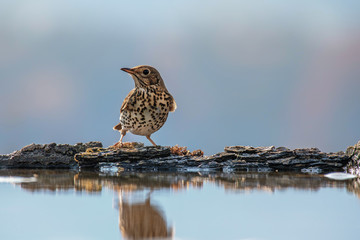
(117, 145)
(127, 145)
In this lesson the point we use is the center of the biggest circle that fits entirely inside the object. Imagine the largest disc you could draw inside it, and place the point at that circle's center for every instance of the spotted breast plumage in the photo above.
(146, 107)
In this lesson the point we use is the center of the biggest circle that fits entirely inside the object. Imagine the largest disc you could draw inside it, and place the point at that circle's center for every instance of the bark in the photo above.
(45, 156)
(137, 157)
(236, 158)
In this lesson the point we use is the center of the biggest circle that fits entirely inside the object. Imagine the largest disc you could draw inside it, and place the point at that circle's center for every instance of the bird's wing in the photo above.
(173, 105)
(130, 98)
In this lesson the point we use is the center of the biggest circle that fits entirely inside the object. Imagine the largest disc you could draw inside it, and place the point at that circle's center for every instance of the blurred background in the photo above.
(283, 72)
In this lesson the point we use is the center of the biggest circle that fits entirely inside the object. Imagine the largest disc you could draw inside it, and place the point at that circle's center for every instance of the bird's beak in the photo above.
(128, 70)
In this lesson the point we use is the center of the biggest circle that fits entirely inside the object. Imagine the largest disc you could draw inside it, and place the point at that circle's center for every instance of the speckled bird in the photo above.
(146, 107)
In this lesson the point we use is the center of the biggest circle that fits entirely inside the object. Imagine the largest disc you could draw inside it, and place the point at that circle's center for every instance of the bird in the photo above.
(145, 109)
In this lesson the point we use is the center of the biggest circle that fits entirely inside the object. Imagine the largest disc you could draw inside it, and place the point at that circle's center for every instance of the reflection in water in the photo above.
(17, 179)
(142, 220)
(139, 218)
(94, 182)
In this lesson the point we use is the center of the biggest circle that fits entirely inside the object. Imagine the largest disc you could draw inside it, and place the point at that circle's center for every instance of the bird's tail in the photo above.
(117, 127)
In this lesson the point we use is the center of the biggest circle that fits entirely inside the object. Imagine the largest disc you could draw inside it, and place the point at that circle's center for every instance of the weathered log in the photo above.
(353, 153)
(236, 158)
(45, 155)
(136, 153)
(138, 157)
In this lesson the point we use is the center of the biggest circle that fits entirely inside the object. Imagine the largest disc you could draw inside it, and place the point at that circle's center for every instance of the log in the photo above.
(353, 153)
(235, 158)
(45, 156)
(137, 157)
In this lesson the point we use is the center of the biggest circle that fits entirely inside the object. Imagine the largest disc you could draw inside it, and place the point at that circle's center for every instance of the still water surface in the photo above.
(43, 204)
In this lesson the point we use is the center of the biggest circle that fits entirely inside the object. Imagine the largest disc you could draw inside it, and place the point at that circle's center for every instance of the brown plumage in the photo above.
(146, 107)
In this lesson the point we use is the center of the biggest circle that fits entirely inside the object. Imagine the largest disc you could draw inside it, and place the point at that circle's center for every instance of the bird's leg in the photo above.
(123, 133)
(119, 143)
(148, 137)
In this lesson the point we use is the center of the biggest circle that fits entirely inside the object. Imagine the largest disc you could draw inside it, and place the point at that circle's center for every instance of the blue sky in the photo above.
(281, 73)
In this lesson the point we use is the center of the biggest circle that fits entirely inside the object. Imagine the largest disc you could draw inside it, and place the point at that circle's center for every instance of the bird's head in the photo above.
(145, 76)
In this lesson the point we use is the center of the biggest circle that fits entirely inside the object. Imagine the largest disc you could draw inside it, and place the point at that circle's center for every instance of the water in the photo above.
(43, 204)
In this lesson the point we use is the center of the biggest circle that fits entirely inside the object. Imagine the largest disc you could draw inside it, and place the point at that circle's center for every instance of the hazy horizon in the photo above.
(283, 73)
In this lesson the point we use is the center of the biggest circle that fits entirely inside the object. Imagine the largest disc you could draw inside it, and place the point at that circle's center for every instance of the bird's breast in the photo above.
(147, 114)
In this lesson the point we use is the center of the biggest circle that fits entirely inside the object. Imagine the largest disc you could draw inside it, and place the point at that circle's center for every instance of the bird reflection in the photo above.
(142, 220)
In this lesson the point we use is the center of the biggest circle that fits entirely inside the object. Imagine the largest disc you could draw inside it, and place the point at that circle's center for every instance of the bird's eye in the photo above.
(146, 72)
